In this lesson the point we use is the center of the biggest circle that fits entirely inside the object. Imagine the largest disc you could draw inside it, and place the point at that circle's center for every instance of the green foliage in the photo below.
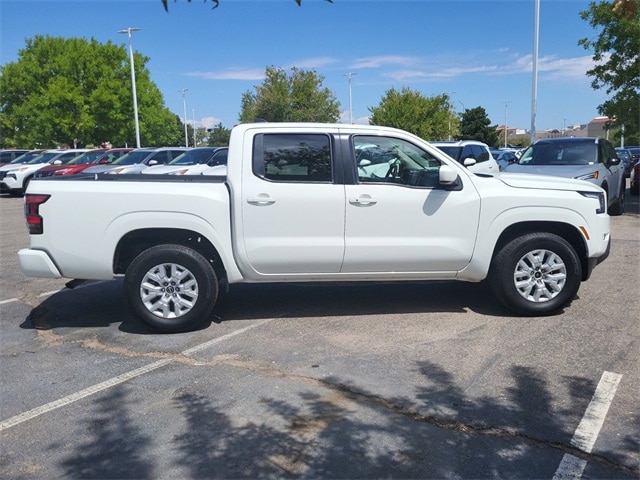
(219, 136)
(616, 52)
(431, 118)
(66, 91)
(475, 125)
(298, 97)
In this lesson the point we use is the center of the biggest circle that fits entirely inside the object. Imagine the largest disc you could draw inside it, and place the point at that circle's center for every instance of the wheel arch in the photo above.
(135, 242)
(564, 230)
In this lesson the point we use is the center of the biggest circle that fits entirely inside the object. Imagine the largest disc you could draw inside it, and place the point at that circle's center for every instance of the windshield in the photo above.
(27, 157)
(560, 154)
(87, 157)
(43, 158)
(137, 156)
(452, 151)
(193, 157)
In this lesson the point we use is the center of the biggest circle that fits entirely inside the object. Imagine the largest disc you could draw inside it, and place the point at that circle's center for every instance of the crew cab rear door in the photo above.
(292, 203)
(398, 219)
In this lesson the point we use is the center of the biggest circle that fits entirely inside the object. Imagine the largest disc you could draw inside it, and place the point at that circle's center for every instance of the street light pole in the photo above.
(184, 105)
(193, 112)
(534, 82)
(133, 83)
(350, 74)
(506, 128)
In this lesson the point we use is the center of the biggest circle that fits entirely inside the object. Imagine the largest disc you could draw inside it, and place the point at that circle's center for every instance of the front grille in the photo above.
(3, 174)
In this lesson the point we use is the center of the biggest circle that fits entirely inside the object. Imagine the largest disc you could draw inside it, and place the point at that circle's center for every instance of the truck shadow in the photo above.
(102, 304)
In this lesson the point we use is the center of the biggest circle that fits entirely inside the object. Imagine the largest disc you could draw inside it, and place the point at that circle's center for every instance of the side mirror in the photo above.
(57, 162)
(614, 161)
(364, 163)
(467, 162)
(447, 175)
(153, 162)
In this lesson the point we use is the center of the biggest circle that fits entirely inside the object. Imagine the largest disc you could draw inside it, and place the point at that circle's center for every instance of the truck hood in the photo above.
(549, 182)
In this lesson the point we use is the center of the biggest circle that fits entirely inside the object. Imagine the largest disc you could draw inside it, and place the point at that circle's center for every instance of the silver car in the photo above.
(584, 158)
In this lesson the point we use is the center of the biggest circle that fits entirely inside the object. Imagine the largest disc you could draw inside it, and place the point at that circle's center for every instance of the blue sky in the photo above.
(478, 51)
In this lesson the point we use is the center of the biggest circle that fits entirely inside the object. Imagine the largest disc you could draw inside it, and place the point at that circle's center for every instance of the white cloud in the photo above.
(231, 74)
(209, 122)
(381, 61)
(314, 62)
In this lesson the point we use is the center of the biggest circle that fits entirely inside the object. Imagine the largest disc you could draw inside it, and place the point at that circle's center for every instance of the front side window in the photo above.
(391, 160)
(293, 157)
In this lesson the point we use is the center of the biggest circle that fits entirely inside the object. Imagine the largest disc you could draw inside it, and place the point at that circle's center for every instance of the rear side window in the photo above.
(293, 157)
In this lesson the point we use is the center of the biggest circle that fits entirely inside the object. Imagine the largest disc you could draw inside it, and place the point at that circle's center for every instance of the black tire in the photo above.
(171, 287)
(536, 274)
(618, 207)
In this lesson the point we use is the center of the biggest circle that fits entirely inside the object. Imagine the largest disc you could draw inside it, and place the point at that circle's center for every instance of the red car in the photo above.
(99, 156)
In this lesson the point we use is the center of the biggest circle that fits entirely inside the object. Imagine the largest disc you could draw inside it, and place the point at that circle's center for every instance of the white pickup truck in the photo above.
(314, 203)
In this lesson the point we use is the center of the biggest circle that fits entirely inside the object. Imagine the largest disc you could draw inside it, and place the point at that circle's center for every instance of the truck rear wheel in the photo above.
(536, 274)
(171, 287)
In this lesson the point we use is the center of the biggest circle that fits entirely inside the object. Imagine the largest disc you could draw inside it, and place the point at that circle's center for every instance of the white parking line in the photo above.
(16, 299)
(9, 300)
(74, 397)
(587, 432)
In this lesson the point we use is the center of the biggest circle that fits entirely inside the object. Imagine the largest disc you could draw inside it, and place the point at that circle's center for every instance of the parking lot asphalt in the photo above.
(407, 380)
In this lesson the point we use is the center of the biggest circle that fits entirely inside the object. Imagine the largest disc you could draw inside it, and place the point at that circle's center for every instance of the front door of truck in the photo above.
(292, 211)
(397, 217)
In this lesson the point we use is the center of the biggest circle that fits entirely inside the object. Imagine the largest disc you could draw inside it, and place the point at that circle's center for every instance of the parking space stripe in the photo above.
(23, 417)
(9, 300)
(589, 427)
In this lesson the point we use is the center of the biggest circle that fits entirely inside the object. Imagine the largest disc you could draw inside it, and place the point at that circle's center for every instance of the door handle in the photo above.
(363, 200)
(261, 199)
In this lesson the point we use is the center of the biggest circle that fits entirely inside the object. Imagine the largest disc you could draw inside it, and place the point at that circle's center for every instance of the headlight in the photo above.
(600, 197)
(588, 176)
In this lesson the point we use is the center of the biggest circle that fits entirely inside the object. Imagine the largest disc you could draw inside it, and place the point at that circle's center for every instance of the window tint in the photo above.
(391, 160)
(467, 152)
(480, 154)
(293, 157)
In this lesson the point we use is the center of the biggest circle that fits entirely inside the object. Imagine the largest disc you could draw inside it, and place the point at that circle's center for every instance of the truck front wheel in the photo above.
(171, 287)
(536, 274)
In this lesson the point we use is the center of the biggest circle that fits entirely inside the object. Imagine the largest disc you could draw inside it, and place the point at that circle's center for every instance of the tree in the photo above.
(431, 118)
(616, 52)
(216, 3)
(475, 125)
(298, 97)
(219, 136)
(66, 91)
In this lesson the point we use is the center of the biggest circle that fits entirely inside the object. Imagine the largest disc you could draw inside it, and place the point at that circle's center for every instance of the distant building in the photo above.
(595, 128)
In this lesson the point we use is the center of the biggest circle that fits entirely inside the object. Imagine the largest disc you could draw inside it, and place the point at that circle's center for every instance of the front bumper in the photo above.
(36, 263)
(594, 261)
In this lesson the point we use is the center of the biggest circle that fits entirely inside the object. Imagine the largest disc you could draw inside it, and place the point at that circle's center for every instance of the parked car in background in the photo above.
(584, 158)
(474, 155)
(634, 187)
(504, 157)
(76, 165)
(625, 157)
(14, 178)
(192, 162)
(139, 159)
(25, 157)
(7, 156)
(635, 154)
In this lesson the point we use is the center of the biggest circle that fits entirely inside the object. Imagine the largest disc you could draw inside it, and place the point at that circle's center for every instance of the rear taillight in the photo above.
(32, 204)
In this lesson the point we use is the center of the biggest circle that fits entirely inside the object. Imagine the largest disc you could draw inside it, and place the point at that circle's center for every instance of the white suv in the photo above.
(474, 155)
